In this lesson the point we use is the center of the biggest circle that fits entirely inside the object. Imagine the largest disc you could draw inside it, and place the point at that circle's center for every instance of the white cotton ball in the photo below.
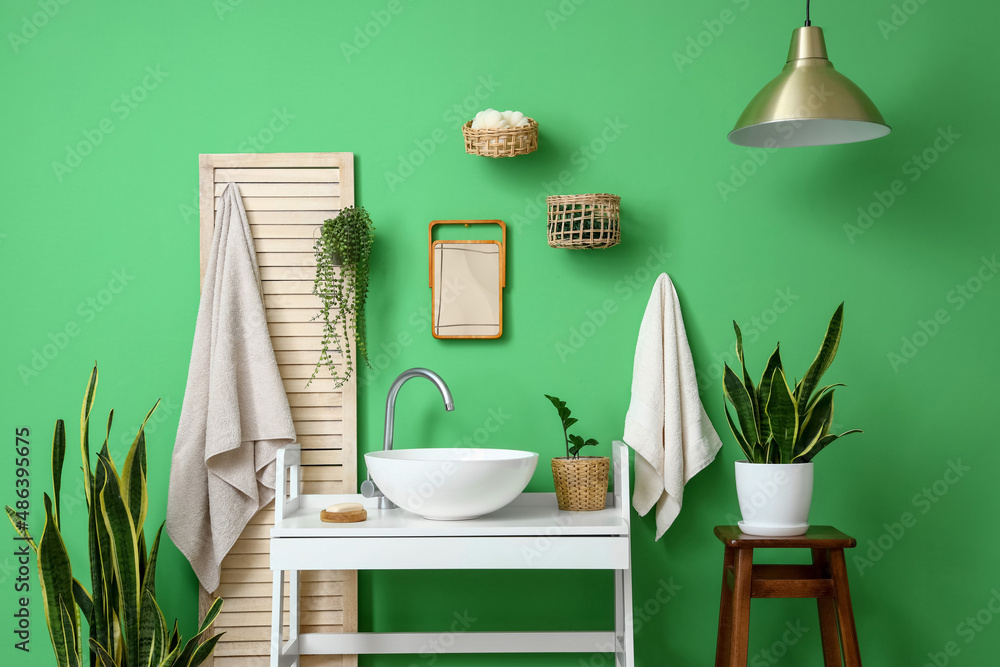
(476, 123)
(490, 118)
(522, 122)
(502, 123)
(507, 114)
(515, 118)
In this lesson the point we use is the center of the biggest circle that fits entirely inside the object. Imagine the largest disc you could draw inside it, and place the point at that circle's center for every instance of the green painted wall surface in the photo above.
(107, 106)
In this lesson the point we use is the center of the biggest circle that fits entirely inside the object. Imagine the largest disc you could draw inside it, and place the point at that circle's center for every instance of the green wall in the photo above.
(104, 246)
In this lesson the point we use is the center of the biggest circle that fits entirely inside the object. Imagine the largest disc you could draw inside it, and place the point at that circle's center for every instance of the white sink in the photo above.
(451, 484)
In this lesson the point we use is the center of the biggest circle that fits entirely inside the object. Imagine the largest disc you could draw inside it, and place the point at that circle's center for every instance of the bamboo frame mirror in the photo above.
(467, 278)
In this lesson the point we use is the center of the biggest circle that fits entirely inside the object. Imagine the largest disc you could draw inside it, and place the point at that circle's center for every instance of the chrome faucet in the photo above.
(368, 488)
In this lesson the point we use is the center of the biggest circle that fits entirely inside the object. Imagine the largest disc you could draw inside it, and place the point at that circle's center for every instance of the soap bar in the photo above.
(344, 507)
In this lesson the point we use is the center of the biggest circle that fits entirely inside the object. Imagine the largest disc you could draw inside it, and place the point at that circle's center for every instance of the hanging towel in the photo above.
(235, 414)
(666, 423)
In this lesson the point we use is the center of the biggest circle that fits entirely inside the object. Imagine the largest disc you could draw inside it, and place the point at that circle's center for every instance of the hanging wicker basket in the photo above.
(504, 142)
(584, 221)
(581, 483)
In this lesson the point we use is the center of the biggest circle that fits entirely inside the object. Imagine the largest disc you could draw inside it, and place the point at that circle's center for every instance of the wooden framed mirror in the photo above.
(467, 277)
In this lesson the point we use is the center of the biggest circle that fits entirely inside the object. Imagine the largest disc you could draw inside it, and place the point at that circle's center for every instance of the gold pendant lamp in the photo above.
(809, 103)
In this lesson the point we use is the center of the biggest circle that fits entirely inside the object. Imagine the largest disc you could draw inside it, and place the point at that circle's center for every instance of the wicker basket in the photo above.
(584, 221)
(504, 142)
(581, 483)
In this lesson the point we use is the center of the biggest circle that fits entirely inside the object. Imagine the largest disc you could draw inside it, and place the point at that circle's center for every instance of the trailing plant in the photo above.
(574, 443)
(778, 424)
(127, 628)
(345, 242)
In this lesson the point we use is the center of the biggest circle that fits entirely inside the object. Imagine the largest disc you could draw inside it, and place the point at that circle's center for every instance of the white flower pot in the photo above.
(774, 497)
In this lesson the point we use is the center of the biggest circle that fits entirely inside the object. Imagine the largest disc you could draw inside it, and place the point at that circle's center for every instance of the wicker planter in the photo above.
(504, 142)
(584, 221)
(581, 483)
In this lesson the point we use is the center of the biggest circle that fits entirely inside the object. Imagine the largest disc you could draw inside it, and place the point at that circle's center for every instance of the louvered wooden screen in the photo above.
(287, 197)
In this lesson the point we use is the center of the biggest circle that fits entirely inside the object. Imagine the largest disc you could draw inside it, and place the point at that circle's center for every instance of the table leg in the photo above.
(827, 614)
(293, 610)
(848, 632)
(624, 651)
(725, 636)
(277, 613)
(741, 608)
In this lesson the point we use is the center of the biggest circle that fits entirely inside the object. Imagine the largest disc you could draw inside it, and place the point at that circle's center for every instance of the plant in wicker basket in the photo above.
(345, 242)
(581, 481)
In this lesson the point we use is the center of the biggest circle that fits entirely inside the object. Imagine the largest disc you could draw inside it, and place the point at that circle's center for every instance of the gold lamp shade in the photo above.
(809, 103)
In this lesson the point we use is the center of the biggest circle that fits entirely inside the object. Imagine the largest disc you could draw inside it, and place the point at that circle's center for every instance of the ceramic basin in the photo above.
(451, 484)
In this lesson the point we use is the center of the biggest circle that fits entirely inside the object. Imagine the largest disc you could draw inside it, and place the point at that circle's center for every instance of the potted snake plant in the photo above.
(781, 429)
(581, 481)
(126, 626)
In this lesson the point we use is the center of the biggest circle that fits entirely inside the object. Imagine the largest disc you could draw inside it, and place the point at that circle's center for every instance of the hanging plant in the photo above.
(343, 250)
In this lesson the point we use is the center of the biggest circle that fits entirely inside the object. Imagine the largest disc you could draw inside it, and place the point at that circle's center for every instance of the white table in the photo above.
(529, 534)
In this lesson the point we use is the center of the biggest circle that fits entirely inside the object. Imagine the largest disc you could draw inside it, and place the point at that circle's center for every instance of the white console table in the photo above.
(529, 534)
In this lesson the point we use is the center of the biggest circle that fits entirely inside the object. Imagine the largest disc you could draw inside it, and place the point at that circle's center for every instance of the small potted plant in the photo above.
(780, 430)
(581, 481)
(343, 251)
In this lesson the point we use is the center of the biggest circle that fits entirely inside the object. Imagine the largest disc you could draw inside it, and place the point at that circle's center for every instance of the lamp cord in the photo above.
(808, 22)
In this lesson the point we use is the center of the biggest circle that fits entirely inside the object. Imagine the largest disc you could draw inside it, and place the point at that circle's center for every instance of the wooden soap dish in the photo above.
(349, 516)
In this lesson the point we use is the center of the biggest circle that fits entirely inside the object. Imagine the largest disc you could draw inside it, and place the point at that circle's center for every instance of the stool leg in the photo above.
(848, 632)
(827, 615)
(725, 637)
(741, 608)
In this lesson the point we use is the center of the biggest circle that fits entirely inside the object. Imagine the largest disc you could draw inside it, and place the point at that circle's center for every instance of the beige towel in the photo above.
(235, 414)
(666, 423)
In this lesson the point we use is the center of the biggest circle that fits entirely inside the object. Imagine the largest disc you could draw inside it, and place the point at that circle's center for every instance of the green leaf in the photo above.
(83, 601)
(103, 658)
(736, 392)
(213, 613)
(815, 426)
(56, 577)
(152, 633)
(134, 475)
(204, 650)
(744, 445)
(782, 415)
(824, 441)
(764, 391)
(71, 630)
(20, 527)
(101, 566)
(58, 456)
(818, 395)
(88, 403)
(192, 644)
(827, 351)
(747, 382)
(149, 577)
(125, 558)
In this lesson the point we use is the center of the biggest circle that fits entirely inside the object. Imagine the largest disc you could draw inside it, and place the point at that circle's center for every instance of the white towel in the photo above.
(666, 423)
(235, 414)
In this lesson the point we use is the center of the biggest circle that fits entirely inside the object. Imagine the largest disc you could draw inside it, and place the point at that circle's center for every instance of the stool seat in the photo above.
(825, 580)
(817, 537)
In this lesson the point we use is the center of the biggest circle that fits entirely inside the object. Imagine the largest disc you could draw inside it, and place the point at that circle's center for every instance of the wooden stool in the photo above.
(825, 580)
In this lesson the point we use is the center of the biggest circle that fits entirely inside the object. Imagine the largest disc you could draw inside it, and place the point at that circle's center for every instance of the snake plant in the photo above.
(778, 424)
(127, 628)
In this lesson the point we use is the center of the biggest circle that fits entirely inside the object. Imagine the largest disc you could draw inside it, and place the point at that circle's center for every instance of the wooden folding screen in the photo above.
(287, 197)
